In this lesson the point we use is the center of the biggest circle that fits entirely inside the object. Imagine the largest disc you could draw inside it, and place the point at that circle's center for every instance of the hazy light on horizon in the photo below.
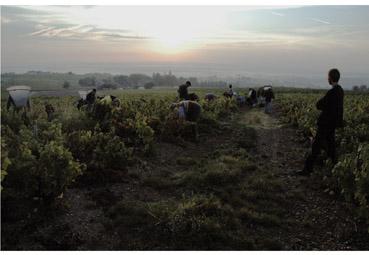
(296, 40)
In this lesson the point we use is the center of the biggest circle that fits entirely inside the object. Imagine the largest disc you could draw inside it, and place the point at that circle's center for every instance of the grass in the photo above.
(186, 161)
(158, 182)
(254, 217)
(215, 205)
(196, 222)
(209, 176)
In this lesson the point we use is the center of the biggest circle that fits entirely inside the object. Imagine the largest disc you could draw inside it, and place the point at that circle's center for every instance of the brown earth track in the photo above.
(317, 220)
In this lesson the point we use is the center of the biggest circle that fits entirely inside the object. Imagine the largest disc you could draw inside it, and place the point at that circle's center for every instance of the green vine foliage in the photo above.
(351, 173)
(42, 158)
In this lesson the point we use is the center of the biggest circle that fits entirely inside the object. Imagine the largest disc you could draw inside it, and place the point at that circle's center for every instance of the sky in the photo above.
(245, 40)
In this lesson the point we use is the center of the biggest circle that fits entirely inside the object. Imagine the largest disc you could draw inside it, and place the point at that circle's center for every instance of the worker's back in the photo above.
(91, 97)
(183, 91)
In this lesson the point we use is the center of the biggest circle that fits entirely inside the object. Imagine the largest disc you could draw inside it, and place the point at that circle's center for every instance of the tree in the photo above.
(167, 80)
(137, 79)
(66, 85)
(87, 82)
(193, 80)
(363, 88)
(122, 80)
(107, 84)
(149, 85)
(355, 88)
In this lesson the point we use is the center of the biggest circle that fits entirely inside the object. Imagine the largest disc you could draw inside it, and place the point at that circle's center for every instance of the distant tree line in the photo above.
(360, 88)
(137, 80)
(52, 80)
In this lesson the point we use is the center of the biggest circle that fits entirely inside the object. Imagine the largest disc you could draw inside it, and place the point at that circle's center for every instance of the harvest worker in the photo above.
(91, 98)
(269, 96)
(241, 100)
(230, 93)
(183, 91)
(49, 109)
(252, 99)
(210, 97)
(230, 90)
(110, 100)
(189, 111)
(104, 105)
(193, 97)
(330, 118)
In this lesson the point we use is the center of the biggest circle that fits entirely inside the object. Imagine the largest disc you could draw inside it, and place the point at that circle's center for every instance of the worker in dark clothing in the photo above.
(183, 91)
(80, 103)
(91, 97)
(210, 97)
(252, 99)
(193, 97)
(330, 118)
(189, 111)
(269, 96)
(49, 109)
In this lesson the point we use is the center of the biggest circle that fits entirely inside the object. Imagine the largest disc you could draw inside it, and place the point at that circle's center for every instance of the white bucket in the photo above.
(19, 94)
(83, 94)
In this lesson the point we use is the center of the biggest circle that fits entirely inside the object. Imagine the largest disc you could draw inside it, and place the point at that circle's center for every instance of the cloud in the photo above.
(49, 24)
(5, 20)
(321, 21)
(278, 14)
(86, 32)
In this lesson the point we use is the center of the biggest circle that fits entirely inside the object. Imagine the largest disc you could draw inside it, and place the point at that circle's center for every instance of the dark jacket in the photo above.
(91, 97)
(253, 94)
(331, 106)
(183, 91)
(192, 110)
(269, 95)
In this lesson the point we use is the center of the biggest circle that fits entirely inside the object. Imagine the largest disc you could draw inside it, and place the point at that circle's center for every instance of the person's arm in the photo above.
(323, 103)
(340, 121)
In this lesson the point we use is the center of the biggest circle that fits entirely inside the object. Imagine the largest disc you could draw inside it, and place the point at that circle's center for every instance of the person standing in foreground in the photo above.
(330, 118)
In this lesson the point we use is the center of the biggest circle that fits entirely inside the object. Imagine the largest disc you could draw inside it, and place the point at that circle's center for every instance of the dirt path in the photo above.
(317, 220)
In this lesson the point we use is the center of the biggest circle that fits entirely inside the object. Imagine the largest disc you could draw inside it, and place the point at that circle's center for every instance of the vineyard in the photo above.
(80, 142)
(350, 177)
(135, 177)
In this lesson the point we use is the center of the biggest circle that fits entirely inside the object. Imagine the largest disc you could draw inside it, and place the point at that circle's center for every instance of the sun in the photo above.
(170, 45)
(172, 42)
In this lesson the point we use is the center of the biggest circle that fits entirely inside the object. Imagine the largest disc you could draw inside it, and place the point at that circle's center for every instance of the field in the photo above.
(135, 178)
